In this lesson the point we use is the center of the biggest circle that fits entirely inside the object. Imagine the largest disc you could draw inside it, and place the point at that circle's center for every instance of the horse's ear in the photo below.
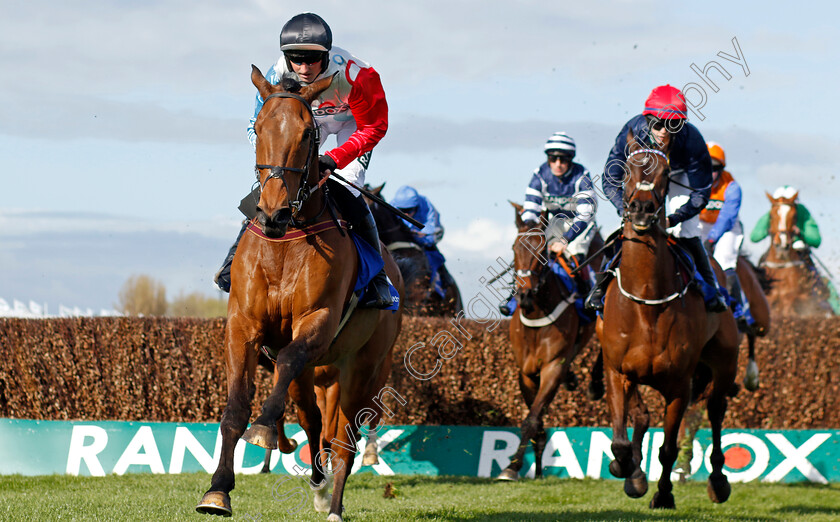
(314, 89)
(794, 197)
(259, 81)
(769, 197)
(518, 208)
(378, 190)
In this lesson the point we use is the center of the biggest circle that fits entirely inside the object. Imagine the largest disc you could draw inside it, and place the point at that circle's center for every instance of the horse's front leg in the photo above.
(618, 387)
(240, 365)
(310, 341)
(674, 411)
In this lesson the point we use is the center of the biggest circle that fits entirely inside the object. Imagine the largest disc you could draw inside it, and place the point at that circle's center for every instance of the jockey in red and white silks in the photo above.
(353, 109)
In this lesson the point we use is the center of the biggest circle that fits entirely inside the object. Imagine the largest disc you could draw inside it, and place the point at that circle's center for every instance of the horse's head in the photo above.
(529, 258)
(782, 220)
(287, 149)
(645, 186)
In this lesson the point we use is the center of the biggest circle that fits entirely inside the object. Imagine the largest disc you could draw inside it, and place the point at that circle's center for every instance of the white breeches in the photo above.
(677, 197)
(728, 246)
(579, 245)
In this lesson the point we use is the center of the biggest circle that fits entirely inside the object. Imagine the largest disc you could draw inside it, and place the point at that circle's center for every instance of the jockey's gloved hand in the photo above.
(326, 163)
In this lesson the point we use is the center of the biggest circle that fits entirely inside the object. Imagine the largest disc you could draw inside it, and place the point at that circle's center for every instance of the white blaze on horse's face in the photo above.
(783, 231)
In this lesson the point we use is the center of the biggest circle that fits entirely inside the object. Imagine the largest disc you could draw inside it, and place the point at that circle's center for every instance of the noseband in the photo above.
(277, 172)
(648, 186)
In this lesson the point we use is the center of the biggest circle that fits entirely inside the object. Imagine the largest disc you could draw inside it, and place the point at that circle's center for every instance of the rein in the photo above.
(541, 281)
(647, 186)
(278, 171)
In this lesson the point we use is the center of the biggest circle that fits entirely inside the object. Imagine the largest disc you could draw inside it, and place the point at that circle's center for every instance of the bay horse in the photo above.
(546, 334)
(797, 288)
(420, 297)
(655, 331)
(288, 297)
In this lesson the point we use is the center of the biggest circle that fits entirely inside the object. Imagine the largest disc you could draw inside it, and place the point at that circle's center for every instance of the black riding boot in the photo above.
(733, 285)
(222, 277)
(694, 245)
(365, 226)
(595, 299)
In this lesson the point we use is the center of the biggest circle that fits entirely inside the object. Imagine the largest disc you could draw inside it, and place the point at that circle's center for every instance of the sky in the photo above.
(123, 148)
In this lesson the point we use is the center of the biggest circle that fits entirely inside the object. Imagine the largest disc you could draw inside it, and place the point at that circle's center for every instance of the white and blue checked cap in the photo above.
(561, 142)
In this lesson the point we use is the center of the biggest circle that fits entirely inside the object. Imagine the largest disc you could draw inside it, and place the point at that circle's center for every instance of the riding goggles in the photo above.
(559, 157)
(305, 58)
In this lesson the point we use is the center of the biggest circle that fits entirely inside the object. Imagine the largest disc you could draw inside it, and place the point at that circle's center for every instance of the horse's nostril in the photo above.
(649, 207)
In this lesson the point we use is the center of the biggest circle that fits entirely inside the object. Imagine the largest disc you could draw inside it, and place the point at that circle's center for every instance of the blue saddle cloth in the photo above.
(370, 263)
(739, 310)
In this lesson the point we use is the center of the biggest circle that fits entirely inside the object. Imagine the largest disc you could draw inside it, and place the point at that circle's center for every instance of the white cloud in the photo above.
(482, 238)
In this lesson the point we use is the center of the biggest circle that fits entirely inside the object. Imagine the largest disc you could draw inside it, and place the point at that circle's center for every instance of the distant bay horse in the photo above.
(546, 335)
(288, 294)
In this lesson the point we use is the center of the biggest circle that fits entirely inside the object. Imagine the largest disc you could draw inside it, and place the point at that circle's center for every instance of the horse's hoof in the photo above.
(662, 500)
(334, 518)
(508, 475)
(595, 391)
(370, 459)
(719, 489)
(323, 498)
(636, 485)
(290, 447)
(751, 378)
(262, 436)
(616, 470)
(215, 503)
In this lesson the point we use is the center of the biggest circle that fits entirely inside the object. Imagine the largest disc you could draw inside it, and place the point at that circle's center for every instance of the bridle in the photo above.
(648, 186)
(782, 233)
(278, 171)
(544, 273)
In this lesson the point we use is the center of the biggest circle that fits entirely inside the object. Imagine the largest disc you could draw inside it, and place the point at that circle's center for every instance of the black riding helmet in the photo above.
(306, 34)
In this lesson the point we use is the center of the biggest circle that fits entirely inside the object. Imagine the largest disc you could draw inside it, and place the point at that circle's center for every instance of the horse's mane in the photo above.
(289, 84)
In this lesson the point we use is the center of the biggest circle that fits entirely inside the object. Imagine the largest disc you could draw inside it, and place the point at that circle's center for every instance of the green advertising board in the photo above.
(31, 447)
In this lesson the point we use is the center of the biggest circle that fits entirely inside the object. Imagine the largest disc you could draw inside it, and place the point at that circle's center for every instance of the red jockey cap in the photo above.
(667, 103)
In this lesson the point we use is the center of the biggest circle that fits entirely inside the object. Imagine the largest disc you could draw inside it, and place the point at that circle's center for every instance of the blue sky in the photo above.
(122, 124)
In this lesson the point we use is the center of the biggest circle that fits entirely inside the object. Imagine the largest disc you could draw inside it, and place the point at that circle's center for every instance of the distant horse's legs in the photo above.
(539, 447)
(596, 378)
(551, 375)
(751, 377)
(674, 410)
(302, 392)
(241, 364)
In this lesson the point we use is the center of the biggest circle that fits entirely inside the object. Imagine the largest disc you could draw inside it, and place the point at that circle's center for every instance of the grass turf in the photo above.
(173, 497)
